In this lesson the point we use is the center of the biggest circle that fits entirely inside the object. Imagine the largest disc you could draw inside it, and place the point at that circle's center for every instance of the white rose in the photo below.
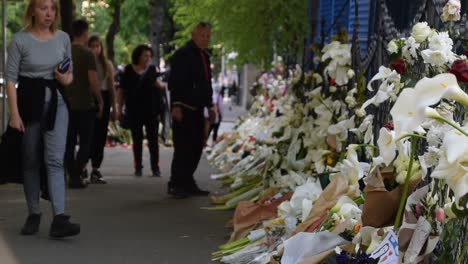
(392, 47)
(332, 89)
(421, 31)
(451, 11)
(350, 73)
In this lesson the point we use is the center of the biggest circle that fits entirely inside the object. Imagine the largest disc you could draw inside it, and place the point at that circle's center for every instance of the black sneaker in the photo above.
(78, 184)
(84, 174)
(138, 172)
(178, 193)
(195, 191)
(156, 173)
(31, 226)
(62, 227)
(96, 177)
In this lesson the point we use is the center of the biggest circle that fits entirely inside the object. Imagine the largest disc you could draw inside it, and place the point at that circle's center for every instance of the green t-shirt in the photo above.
(79, 92)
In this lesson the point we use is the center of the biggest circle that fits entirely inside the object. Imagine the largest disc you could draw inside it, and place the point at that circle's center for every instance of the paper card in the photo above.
(387, 250)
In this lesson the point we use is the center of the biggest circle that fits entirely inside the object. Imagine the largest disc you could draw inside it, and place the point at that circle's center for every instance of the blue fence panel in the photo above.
(343, 12)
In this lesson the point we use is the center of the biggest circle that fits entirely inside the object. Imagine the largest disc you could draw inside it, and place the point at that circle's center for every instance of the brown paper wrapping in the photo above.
(405, 234)
(327, 199)
(248, 213)
(317, 259)
(381, 206)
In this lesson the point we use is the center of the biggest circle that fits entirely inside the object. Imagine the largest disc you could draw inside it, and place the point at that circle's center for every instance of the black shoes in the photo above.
(195, 191)
(31, 226)
(96, 177)
(156, 173)
(178, 193)
(138, 172)
(77, 184)
(84, 174)
(186, 192)
(62, 227)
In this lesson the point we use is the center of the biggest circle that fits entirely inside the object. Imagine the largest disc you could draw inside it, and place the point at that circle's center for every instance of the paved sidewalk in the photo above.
(129, 220)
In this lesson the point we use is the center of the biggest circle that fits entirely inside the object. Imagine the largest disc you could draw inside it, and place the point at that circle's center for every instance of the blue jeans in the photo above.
(40, 146)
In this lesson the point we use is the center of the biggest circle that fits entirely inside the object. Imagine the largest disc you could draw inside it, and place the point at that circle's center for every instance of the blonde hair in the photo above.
(28, 17)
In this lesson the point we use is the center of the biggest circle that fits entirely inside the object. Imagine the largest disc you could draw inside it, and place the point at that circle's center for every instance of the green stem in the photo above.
(406, 186)
(405, 135)
(452, 124)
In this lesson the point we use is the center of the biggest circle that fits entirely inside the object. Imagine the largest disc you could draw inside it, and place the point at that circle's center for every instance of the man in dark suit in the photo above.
(191, 92)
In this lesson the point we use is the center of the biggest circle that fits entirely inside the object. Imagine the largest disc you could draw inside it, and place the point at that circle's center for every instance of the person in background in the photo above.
(37, 108)
(85, 102)
(191, 92)
(166, 110)
(218, 97)
(140, 91)
(105, 74)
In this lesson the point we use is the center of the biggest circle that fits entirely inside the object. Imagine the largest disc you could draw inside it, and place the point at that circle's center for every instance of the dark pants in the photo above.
(100, 132)
(188, 137)
(81, 125)
(151, 125)
(215, 128)
(165, 118)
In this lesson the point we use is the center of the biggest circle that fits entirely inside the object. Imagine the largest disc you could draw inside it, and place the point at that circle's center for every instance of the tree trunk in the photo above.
(66, 14)
(157, 22)
(113, 30)
(168, 32)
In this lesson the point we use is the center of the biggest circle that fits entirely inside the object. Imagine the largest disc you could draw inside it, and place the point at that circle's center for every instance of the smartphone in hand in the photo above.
(64, 65)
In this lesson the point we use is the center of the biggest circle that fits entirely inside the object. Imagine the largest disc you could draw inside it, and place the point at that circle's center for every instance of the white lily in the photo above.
(285, 209)
(365, 128)
(385, 91)
(384, 73)
(309, 191)
(387, 146)
(409, 110)
(350, 168)
(338, 68)
(407, 115)
(455, 175)
(341, 130)
(326, 51)
(453, 166)
(430, 91)
(346, 207)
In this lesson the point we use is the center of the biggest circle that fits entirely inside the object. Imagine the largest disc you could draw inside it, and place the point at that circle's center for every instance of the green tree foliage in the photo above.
(256, 29)
(134, 26)
(14, 12)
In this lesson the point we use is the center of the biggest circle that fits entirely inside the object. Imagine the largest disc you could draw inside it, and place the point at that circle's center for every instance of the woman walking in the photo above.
(37, 109)
(141, 93)
(105, 72)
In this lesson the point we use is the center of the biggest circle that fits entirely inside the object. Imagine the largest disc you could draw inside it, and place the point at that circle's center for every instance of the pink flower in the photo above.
(389, 125)
(280, 70)
(440, 214)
